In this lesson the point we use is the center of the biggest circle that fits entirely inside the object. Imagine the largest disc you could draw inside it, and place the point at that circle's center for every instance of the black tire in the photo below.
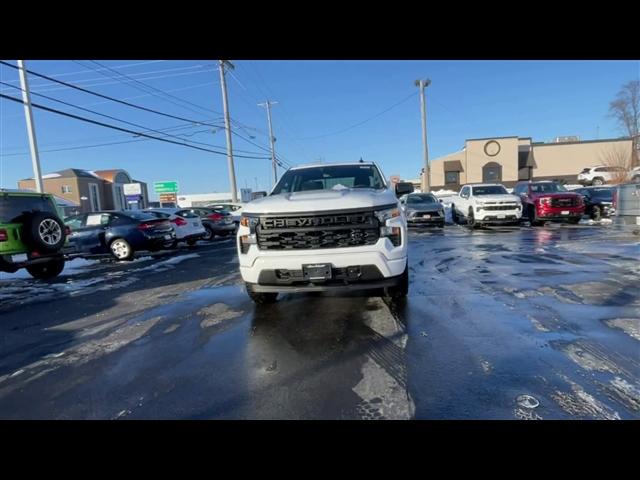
(574, 221)
(261, 298)
(597, 181)
(471, 220)
(46, 271)
(208, 233)
(531, 216)
(7, 267)
(401, 290)
(596, 214)
(174, 244)
(454, 215)
(43, 232)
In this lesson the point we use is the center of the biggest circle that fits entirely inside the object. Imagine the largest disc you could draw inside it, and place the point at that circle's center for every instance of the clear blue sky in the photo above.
(467, 99)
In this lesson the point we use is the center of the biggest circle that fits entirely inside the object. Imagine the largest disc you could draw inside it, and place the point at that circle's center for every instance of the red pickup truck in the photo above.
(549, 201)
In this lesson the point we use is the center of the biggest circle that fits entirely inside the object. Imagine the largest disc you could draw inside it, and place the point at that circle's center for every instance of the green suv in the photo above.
(32, 235)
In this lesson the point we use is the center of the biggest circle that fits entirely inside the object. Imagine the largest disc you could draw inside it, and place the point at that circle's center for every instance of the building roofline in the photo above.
(544, 144)
(494, 138)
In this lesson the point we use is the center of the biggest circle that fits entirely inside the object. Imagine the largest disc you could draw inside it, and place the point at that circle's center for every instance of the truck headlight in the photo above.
(250, 222)
(384, 215)
(394, 234)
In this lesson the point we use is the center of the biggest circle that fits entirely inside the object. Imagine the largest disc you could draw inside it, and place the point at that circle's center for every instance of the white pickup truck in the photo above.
(325, 227)
(486, 204)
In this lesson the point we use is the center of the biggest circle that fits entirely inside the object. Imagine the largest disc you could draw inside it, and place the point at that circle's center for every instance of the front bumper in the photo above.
(371, 278)
(497, 216)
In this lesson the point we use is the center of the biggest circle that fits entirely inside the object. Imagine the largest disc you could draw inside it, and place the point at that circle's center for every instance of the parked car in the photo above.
(486, 204)
(325, 227)
(549, 201)
(234, 209)
(32, 234)
(120, 233)
(634, 175)
(599, 175)
(626, 202)
(422, 209)
(187, 226)
(215, 222)
(598, 201)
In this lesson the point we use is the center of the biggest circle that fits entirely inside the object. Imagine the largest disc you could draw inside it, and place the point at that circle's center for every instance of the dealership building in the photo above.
(508, 160)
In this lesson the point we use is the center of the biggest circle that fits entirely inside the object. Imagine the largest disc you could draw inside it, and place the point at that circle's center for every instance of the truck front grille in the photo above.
(562, 202)
(317, 231)
(501, 207)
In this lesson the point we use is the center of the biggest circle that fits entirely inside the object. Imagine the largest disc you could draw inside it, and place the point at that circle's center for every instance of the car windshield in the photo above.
(12, 207)
(603, 194)
(490, 190)
(138, 215)
(421, 198)
(332, 177)
(547, 188)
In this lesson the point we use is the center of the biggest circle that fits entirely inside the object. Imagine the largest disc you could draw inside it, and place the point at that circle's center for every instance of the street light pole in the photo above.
(227, 124)
(268, 104)
(426, 176)
(31, 129)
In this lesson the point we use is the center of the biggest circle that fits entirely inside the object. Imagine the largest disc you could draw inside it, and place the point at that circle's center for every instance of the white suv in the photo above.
(325, 227)
(486, 204)
(598, 175)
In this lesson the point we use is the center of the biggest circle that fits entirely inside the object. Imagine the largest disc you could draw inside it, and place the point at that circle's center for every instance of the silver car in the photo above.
(423, 209)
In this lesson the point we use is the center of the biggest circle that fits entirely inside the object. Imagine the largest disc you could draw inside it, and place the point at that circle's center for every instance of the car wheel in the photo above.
(596, 214)
(121, 249)
(261, 298)
(208, 233)
(598, 181)
(46, 271)
(400, 290)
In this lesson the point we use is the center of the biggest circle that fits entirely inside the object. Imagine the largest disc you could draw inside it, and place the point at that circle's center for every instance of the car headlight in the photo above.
(384, 215)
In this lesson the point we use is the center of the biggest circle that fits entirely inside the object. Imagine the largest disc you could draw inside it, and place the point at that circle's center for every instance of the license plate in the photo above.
(21, 257)
(501, 216)
(565, 212)
(316, 271)
(426, 216)
(167, 237)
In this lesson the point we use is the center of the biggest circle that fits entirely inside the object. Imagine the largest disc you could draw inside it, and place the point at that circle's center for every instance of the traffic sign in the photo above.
(165, 187)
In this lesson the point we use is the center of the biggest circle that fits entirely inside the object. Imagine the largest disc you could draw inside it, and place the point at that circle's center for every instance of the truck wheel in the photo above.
(45, 271)
(471, 220)
(261, 298)
(454, 215)
(401, 290)
(43, 232)
(531, 216)
(597, 181)
(596, 214)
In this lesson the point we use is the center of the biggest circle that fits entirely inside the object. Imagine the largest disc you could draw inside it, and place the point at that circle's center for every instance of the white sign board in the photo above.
(132, 189)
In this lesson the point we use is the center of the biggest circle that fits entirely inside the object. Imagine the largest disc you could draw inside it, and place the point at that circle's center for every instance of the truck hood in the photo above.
(555, 195)
(497, 198)
(321, 200)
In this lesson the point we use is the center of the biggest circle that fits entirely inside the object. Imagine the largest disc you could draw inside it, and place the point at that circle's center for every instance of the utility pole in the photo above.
(272, 139)
(426, 176)
(227, 125)
(31, 129)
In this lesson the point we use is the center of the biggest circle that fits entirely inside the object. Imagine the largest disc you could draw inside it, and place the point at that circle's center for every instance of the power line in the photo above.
(405, 99)
(91, 92)
(114, 127)
(162, 93)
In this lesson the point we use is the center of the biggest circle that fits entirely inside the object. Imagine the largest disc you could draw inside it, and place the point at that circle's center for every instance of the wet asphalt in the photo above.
(500, 323)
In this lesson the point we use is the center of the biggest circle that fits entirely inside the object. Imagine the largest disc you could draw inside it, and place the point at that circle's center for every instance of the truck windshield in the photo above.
(547, 188)
(422, 198)
(490, 190)
(331, 177)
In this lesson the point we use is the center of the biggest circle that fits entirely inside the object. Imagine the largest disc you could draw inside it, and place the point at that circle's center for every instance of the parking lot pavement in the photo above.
(504, 323)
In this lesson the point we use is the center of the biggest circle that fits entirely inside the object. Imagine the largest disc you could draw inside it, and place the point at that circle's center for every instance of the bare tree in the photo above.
(625, 108)
(619, 159)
